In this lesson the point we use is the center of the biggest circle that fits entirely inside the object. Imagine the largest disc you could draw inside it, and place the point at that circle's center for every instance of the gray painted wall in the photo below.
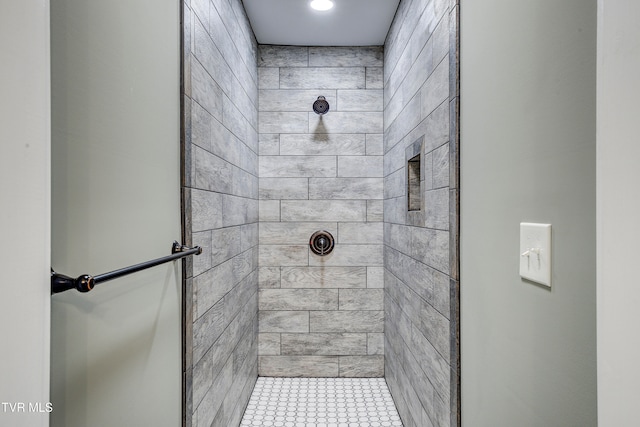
(421, 300)
(25, 183)
(321, 316)
(617, 178)
(220, 190)
(115, 352)
(528, 155)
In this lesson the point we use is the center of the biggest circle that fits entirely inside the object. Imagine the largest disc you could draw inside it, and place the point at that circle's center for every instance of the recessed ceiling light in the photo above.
(321, 4)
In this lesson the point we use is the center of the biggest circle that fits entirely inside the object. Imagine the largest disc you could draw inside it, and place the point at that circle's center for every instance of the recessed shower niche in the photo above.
(415, 182)
(414, 179)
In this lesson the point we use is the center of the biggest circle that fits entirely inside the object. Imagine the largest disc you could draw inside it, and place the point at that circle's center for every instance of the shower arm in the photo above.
(85, 282)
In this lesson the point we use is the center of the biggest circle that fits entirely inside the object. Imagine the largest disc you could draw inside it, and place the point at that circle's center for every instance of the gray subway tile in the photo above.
(200, 9)
(297, 166)
(205, 91)
(346, 56)
(441, 166)
(224, 144)
(248, 236)
(435, 128)
(269, 210)
(375, 277)
(212, 173)
(268, 344)
(435, 327)
(283, 122)
(362, 366)
(202, 262)
(406, 121)
(322, 78)
(395, 210)
(375, 210)
(395, 184)
(283, 321)
(346, 122)
(318, 344)
(324, 277)
(454, 235)
(202, 378)
(435, 367)
(323, 210)
(436, 89)
(292, 233)
(283, 56)
(235, 121)
(425, 420)
(206, 210)
(361, 299)
(298, 366)
(268, 78)
(238, 210)
(269, 144)
(207, 329)
(350, 255)
(360, 232)
(375, 343)
(298, 299)
(440, 36)
(394, 158)
(322, 144)
(241, 292)
(268, 277)
(418, 74)
(200, 126)
(437, 209)
(210, 57)
(346, 321)
(293, 100)
(430, 284)
(212, 401)
(211, 286)
(283, 255)
(360, 166)
(431, 247)
(428, 171)
(345, 188)
(375, 145)
(374, 78)
(360, 100)
(283, 188)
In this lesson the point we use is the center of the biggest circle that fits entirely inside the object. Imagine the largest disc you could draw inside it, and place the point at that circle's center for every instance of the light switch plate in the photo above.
(535, 252)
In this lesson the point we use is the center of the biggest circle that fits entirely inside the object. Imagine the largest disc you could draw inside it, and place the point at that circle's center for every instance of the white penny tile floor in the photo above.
(321, 402)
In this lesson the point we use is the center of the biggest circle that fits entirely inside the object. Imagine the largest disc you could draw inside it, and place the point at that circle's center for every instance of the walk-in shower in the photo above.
(296, 187)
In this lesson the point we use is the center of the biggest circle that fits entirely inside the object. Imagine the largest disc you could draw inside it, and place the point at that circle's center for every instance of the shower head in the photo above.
(321, 106)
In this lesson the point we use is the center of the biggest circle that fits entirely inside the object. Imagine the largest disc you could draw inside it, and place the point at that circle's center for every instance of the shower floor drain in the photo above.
(321, 402)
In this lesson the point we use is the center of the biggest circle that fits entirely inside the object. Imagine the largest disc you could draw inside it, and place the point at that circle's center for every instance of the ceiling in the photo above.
(348, 23)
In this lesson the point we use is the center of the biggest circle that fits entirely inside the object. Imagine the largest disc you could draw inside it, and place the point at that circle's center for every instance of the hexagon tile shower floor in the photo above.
(321, 402)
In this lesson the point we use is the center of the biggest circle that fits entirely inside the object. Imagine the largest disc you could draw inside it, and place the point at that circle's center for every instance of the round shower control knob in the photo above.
(321, 243)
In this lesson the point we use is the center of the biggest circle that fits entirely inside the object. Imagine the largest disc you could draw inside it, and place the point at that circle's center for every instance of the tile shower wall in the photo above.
(321, 316)
(420, 246)
(220, 190)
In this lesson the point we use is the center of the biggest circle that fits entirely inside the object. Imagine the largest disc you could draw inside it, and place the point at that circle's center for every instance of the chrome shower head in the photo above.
(321, 106)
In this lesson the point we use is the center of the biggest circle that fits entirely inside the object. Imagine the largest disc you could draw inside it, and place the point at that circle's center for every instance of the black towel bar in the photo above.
(85, 282)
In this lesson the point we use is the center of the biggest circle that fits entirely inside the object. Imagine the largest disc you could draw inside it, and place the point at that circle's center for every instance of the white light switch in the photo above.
(535, 252)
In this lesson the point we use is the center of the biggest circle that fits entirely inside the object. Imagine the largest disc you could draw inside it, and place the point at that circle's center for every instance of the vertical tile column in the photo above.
(220, 191)
(320, 316)
(421, 246)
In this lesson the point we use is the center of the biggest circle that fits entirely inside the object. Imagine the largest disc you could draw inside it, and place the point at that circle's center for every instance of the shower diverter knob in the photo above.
(321, 243)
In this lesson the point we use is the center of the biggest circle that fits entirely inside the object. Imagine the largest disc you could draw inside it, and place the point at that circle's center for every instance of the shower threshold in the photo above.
(321, 402)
